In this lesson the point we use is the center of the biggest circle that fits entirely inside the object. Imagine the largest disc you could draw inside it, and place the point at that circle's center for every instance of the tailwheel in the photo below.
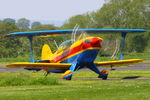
(104, 74)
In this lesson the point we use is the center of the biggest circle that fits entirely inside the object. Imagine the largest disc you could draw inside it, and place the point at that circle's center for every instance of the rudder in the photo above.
(46, 52)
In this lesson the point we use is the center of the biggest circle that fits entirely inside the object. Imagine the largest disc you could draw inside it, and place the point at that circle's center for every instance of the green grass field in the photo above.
(34, 86)
(30, 86)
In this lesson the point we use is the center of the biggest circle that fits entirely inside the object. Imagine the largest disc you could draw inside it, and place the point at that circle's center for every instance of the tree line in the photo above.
(22, 23)
(114, 14)
(13, 47)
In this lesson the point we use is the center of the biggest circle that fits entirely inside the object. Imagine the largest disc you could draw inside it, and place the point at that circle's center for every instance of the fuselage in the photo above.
(84, 51)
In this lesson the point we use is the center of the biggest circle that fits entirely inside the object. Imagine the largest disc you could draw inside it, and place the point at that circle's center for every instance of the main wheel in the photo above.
(104, 78)
(104, 75)
(68, 78)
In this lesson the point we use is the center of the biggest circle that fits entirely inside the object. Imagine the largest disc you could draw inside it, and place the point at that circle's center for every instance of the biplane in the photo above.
(73, 54)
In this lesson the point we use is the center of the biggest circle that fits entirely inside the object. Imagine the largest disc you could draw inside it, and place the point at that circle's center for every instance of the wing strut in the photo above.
(123, 34)
(31, 49)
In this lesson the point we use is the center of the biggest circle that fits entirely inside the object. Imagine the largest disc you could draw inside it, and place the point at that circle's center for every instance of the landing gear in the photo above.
(67, 75)
(46, 73)
(69, 78)
(104, 74)
(103, 77)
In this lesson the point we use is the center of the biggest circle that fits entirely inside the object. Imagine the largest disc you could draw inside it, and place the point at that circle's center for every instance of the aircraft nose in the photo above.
(99, 42)
(93, 42)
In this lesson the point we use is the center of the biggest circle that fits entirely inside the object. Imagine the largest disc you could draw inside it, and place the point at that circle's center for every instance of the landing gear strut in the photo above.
(46, 73)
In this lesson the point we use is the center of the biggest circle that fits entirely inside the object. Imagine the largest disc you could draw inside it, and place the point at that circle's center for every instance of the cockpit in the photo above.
(66, 44)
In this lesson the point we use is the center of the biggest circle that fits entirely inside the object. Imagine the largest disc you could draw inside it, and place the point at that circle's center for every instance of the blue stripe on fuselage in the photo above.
(84, 57)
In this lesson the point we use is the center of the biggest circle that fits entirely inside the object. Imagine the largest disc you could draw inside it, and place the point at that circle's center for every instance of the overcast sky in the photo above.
(47, 9)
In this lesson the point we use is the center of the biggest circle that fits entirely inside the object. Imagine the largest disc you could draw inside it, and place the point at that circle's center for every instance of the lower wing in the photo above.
(67, 65)
(40, 65)
(118, 62)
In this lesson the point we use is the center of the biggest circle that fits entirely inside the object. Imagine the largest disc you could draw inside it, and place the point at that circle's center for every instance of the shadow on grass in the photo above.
(131, 77)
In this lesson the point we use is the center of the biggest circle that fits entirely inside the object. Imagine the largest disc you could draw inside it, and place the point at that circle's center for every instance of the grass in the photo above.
(80, 90)
(77, 89)
(144, 56)
(17, 59)
(22, 78)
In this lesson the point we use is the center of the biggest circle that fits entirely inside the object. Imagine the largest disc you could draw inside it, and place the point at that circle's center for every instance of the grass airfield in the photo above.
(121, 85)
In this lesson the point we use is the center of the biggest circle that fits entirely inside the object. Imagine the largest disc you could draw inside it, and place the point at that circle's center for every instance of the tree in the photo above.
(44, 27)
(34, 24)
(124, 14)
(9, 20)
(117, 14)
(81, 20)
(137, 43)
(9, 47)
(7, 27)
(23, 23)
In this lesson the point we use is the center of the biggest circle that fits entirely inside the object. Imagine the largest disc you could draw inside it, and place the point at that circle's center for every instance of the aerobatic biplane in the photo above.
(72, 55)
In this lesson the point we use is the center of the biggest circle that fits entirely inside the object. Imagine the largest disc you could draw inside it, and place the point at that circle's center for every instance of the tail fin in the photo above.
(46, 52)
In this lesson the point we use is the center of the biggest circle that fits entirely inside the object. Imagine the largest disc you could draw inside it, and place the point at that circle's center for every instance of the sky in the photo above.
(52, 10)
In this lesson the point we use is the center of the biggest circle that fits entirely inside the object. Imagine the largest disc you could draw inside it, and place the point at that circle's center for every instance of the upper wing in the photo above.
(39, 65)
(57, 32)
(118, 62)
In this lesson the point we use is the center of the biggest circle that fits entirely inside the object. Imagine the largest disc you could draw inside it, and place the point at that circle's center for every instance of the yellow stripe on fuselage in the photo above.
(69, 56)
